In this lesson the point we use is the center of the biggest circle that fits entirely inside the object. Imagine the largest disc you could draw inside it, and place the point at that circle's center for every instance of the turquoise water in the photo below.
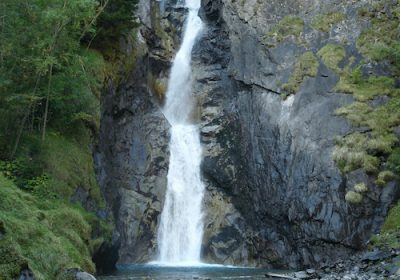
(147, 272)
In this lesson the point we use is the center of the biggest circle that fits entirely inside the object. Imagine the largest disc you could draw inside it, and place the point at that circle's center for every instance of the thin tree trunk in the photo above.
(26, 115)
(3, 22)
(32, 123)
(100, 11)
(46, 110)
(20, 130)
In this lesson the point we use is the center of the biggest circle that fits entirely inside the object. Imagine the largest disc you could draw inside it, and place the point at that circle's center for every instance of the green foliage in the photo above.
(50, 86)
(389, 236)
(365, 89)
(288, 26)
(324, 22)
(380, 142)
(394, 161)
(47, 77)
(380, 120)
(332, 55)
(47, 236)
(306, 66)
(392, 223)
(381, 40)
(116, 20)
(55, 169)
(68, 171)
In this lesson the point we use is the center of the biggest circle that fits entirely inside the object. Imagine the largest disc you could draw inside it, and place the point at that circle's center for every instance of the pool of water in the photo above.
(154, 272)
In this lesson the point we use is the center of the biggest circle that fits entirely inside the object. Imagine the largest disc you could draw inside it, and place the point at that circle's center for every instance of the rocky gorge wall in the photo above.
(266, 108)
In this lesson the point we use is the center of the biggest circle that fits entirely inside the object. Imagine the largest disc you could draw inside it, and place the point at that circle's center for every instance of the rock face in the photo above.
(274, 194)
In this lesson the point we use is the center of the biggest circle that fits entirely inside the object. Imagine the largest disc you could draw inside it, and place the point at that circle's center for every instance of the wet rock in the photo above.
(84, 276)
(375, 255)
(302, 275)
(397, 273)
(311, 271)
(26, 275)
(132, 154)
(107, 256)
(2, 230)
(275, 196)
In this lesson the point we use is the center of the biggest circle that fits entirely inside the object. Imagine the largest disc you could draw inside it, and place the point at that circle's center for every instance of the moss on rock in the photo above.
(332, 55)
(44, 235)
(306, 66)
(324, 22)
(288, 26)
(353, 197)
(389, 237)
(381, 40)
(379, 43)
(384, 177)
(351, 154)
(361, 188)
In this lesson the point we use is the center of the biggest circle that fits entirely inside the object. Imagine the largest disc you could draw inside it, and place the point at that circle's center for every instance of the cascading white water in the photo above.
(181, 227)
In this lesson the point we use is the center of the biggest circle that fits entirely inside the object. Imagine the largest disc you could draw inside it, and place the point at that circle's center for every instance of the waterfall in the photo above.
(181, 228)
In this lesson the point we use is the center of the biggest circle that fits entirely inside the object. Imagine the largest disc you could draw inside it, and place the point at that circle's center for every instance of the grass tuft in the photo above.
(332, 55)
(306, 66)
(324, 22)
(353, 197)
(288, 26)
(361, 188)
(44, 235)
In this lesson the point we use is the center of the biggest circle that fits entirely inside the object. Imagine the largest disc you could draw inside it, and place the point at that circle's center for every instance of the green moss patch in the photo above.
(288, 26)
(70, 170)
(332, 55)
(306, 66)
(324, 22)
(45, 235)
(381, 41)
(353, 197)
(371, 149)
(384, 177)
(392, 223)
(394, 161)
(389, 237)
(56, 168)
(365, 89)
(377, 149)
